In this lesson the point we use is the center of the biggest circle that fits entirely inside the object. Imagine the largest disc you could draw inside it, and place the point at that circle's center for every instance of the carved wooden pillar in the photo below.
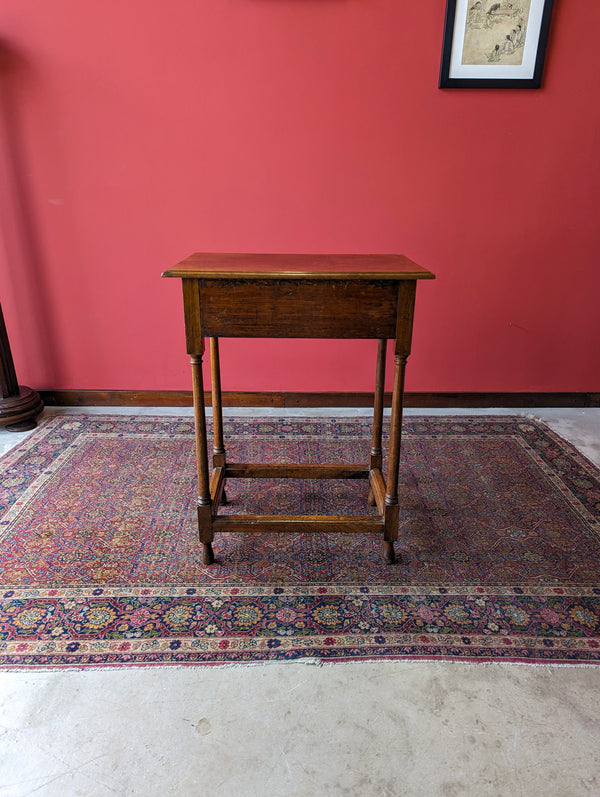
(19, 405)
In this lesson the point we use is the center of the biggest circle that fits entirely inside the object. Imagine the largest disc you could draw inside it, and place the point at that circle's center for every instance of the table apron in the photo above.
(300, 308)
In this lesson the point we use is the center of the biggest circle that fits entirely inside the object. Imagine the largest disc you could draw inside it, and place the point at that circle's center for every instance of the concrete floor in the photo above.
(396, 729)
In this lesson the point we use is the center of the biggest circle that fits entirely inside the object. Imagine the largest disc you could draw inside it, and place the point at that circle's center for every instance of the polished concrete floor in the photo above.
(396, 729)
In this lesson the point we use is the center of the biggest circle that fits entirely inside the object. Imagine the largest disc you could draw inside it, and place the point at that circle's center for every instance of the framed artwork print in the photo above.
(495, 44)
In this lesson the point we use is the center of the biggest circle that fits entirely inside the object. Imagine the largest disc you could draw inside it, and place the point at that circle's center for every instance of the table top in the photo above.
(220, 265)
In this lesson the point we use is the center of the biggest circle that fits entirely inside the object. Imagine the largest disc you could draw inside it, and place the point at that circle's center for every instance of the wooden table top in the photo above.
(208, 265)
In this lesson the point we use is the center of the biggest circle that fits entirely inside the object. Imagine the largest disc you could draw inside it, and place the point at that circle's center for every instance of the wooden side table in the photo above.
(298, 296)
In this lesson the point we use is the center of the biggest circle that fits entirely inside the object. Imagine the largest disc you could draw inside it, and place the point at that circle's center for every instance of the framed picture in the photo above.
(494, 43)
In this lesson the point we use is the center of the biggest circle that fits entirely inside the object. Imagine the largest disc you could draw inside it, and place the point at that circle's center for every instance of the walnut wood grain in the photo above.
(286, 308)
(376, 450)
(217, 404)
(220, 265)
(295, 471)
(217, 484)
(377, 484)
(300, 524)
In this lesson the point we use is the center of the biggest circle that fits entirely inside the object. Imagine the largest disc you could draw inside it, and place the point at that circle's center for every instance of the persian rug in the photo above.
(100, 564)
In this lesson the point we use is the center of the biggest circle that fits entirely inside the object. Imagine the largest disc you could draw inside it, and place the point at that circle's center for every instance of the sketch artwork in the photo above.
(495, 32)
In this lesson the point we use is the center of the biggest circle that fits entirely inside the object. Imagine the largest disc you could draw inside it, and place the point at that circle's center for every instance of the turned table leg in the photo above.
(205, 532)
(406, 304)
(375, 460)
(217, 408)
(195, 348)
(391, 514)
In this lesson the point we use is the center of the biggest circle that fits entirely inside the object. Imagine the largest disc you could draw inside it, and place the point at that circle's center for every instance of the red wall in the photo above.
(134, 133)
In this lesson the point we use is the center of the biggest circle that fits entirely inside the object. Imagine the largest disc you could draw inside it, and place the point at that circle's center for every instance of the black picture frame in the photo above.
(477, 51)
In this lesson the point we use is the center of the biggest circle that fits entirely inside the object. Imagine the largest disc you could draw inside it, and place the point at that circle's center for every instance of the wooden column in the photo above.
(19, 405)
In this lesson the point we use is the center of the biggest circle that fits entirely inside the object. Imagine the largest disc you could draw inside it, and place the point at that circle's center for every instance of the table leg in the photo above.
(391, 514)
(217, 408)
(205, 532)
(375, 460)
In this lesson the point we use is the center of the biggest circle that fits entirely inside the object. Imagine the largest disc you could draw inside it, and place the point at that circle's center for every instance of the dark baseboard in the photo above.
(183, 398)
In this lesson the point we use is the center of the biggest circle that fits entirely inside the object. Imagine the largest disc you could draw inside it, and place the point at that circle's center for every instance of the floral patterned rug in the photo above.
(100, 564)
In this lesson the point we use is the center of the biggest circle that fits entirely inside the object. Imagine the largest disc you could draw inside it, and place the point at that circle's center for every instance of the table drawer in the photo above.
(299, 308)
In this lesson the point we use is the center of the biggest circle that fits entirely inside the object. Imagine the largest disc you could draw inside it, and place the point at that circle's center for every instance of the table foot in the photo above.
(208, 556)
(389, 557)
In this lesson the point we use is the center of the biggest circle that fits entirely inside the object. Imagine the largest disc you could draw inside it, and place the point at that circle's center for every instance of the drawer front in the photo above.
(299, 308)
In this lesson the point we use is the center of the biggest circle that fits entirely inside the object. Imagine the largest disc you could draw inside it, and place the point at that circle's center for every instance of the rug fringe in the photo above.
(310, 662)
